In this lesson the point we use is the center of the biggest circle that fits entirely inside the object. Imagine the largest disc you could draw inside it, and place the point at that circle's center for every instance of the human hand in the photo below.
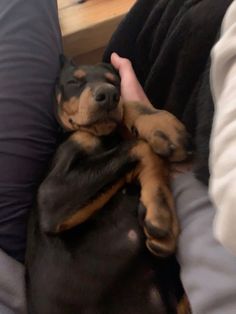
(131, 90)
(151, 127)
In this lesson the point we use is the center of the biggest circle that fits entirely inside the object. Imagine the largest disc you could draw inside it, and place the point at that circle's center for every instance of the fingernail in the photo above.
(114, 54)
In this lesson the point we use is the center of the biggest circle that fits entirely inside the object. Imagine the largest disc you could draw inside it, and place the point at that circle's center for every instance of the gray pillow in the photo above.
(30, 45)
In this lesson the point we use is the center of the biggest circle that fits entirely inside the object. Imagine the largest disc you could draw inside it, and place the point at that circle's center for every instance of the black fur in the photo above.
(101, 266)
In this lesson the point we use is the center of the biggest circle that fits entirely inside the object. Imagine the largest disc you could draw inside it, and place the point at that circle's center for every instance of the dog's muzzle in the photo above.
(107, 97)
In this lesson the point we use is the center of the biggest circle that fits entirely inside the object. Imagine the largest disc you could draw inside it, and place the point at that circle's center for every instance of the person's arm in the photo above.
(208, 271)
(223, 139)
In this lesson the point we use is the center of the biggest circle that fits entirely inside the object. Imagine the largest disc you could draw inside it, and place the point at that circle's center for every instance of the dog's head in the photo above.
(88, 98)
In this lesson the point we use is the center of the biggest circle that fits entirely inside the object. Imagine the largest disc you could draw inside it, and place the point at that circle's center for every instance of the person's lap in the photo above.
(29, 63)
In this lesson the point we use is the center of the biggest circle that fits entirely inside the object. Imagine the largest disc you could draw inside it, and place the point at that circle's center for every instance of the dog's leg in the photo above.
(184, 306)
(166, 134)
(160, 224)
(84, 213)
(74, 190)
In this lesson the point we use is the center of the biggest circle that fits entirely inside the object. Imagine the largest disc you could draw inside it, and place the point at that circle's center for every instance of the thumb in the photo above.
(115, 60)
(123, 65)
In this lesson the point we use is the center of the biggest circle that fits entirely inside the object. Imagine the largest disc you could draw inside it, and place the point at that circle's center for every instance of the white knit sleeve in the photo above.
(223, 139)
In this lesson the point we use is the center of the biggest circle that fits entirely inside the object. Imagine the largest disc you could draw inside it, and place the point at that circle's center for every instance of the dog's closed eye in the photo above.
(72, 81)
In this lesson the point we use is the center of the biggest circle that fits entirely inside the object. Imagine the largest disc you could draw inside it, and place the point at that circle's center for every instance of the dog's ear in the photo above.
(64, 61)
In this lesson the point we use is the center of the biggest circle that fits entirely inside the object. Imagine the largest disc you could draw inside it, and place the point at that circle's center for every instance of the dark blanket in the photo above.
(169, 44)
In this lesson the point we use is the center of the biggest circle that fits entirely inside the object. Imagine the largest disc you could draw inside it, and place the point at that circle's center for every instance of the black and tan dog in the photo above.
(85, 255)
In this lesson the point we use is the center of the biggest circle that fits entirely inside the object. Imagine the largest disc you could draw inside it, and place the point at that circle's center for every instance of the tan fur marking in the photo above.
(151, 127)
(132, 112)
(153, 178)
(82, 214)
(77, 109)
(80, 74)
(184, 306)
(71, 106)
(88, 141)
(77, 113)
(110, 76)
(101, 128)
(109, 124)
(86, 109)
(151, 124)
(67, 109)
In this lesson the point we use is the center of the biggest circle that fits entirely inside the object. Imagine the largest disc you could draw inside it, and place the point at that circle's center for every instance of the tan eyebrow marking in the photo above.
(80, 74)
(110, 76)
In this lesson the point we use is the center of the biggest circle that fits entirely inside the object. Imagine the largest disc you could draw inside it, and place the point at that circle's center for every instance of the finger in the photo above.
(124, 67)
(130, 86)
(115, 60)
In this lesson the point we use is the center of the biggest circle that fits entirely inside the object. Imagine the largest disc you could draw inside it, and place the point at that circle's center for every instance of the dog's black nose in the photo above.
(108, 97)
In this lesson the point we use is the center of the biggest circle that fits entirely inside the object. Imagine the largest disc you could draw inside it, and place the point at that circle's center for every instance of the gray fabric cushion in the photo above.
(208, 271)
(30, 44)
(12, 286)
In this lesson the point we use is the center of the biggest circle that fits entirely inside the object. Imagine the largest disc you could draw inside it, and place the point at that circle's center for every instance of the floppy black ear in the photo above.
(64, 61)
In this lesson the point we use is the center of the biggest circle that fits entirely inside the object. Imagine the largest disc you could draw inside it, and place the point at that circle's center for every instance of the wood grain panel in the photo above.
(88, 26)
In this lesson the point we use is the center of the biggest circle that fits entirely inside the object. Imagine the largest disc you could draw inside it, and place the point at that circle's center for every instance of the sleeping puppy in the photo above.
(86, 249)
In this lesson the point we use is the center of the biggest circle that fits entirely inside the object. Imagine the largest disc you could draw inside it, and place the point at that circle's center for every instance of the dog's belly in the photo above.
(101, 267)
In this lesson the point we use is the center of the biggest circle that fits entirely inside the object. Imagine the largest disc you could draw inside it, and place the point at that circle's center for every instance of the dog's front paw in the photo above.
(161, 225)
(160, 241)
(166, 135)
